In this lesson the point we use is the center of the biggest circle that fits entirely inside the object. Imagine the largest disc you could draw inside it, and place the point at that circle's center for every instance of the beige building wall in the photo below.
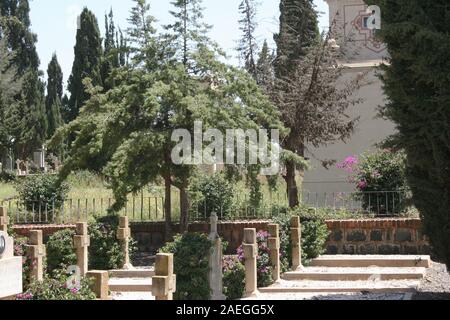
(362, 52)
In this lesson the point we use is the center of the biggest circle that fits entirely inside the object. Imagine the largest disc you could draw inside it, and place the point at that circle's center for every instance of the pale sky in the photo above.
(55, 23)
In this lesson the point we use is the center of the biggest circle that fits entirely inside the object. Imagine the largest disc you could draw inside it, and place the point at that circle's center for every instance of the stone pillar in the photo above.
(296, 236)
(274, 247)
(164, 281)
(100, 283)
(250, 254)
(36, 253)
(215, 262)
(123, 234)
(81, 243)
(4, 220)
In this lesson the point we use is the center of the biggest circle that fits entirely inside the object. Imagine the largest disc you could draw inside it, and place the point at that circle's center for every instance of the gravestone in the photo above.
(296, 238)
(215, 262)
(274, 249)
(164, 281)
(10, 266)
(39, 158)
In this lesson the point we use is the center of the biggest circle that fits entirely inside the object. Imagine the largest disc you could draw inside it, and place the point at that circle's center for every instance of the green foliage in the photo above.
(191, 265)
(60, 251)
(7, 176)
(87, 62)
(105, 251)
(42, 192)
(416, 82)
(53, 100)
(314, 237)
(55, 288)
(212, 193)
(20, 251)
(233, 278)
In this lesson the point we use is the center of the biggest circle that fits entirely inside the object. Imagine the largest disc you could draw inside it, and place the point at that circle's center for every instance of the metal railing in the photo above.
(148, 208)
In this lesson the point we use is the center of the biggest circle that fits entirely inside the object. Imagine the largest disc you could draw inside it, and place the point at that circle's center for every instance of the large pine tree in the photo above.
(87, 62)
(53, 101)
(24, 118)
(417, 83)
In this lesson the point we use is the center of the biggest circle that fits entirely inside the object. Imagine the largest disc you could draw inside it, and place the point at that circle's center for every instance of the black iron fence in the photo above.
(144, 208)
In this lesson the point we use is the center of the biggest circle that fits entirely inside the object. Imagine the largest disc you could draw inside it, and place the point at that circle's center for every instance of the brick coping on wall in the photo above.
(375, 223)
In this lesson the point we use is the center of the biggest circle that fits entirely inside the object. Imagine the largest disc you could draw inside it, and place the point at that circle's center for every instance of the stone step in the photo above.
(310, 286)
(399, 261)
(132, 296)
(355, 274)
(130, 285)
(133, 273)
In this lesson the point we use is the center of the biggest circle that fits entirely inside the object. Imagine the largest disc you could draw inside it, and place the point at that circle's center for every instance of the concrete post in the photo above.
(123, 234)
(100, 283)
(81, 242)
(4, 220)
(274, 248)
(296, 236)
(36, 253)
(164, 281)
(215, 262)
(250, 254)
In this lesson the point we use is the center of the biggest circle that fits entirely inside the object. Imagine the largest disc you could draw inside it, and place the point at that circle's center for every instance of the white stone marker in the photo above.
(10, 268)
(4, 220)
(164, 281)
(215, 262)
(296, 237)
(250, 254)
(36, 253)
(123, 234)
(274, 247)
(81, 242)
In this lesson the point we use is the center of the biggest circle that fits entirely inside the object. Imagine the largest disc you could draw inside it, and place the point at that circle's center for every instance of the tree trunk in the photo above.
(292, 189)
(184, 207)
(168, 208)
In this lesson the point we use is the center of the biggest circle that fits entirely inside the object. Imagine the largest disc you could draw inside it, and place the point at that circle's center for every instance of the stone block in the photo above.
(403, 235)
(273, 243)
(376, 235)
(348, 249)
(356, 236)
(389, 249)
(123, 233)
(331, 249)
(410, 250)
(81, 241)
(274, 230)
(160, 286)
(99, 285)
(337, 235)
(82, 228)
(123, 222)
(367, 249)
(250, 251)
(295, 222)
(35, 237)
(164, 264)
(250, 236)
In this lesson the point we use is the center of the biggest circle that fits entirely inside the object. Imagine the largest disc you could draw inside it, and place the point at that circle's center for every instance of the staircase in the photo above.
(353, 274)
(135, 284)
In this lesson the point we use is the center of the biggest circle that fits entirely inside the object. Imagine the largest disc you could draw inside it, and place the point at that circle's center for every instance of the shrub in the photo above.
(7, 176)
(60, 251)
(376, 176)
(212, 193)
(105, 251)
(314, 238)
(233, 278)
(191, 265)
(20, 251)
(56, 289)
(42, 192)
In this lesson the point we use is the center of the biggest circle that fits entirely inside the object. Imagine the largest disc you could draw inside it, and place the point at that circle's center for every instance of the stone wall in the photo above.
(150, 235)
(47, 230)
(377, 236)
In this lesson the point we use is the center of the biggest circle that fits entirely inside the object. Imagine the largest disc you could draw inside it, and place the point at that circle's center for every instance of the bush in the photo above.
(376, 176)
(233, 278)
(105, 251)
(212, 193)
(191, 265)
(42, 192)
(20, 251)
(7, 176)
(56, 289)
(314, 238)
(60, 251)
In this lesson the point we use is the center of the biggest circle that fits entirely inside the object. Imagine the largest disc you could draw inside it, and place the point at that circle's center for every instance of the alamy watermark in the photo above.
(234, 147)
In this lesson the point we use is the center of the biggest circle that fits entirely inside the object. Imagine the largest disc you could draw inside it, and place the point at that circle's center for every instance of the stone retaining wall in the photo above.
(377, 236)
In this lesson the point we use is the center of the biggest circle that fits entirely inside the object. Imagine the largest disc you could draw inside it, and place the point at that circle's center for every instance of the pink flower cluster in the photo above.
(25, 296)
(348, 164)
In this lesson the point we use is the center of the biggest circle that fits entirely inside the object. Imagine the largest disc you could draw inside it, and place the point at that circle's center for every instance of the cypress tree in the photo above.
(417, 82)
(264, 67)
(25, 116)
(87, 63)
(53, 101)
(248, 45)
